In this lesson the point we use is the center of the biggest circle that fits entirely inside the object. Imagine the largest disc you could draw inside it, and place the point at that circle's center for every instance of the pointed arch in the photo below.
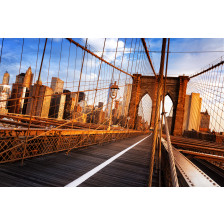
(168, 107)
(144, 110)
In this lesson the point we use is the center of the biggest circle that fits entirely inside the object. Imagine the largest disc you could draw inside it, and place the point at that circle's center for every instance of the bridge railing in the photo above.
(41, 142)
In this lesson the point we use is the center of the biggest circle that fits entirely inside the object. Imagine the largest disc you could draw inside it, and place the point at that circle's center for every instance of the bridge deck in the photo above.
(59, 169)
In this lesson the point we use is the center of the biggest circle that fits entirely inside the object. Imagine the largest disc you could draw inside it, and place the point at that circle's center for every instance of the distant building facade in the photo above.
(4, 93)
(70, 101)
(204, 122)
(57, 85)
(58, 99)
(6, 78)
(109, 101)
(20, 90)
(126, 99)
(192, 112)
(39, 101)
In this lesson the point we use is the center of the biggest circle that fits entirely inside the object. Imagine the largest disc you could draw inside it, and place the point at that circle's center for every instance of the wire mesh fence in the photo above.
(209, 83)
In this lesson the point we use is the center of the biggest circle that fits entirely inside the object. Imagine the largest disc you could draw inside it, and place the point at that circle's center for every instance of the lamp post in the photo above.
(113, 94)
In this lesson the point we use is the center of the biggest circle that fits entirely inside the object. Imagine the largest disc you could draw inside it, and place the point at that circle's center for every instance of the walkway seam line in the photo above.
(87, 175)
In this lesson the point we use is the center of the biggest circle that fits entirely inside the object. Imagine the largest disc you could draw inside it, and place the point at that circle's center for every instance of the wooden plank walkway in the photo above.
(129, 170)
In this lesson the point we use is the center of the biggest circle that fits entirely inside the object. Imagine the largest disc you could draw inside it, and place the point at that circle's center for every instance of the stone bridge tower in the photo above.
(175, 89)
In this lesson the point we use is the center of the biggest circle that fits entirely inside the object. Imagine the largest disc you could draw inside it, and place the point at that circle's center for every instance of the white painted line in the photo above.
(87, 175)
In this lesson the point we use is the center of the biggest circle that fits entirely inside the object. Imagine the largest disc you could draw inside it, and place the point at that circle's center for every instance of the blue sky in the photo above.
(188, 63)
(179, 63)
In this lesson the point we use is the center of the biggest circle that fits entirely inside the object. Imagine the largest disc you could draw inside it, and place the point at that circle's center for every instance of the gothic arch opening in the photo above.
(144, 112)
(168, 107)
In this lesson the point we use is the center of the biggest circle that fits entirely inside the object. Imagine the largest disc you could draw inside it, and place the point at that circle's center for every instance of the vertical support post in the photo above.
(155, 132)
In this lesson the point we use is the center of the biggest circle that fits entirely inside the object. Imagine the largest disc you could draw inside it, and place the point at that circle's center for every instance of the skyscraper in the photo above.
(4, 93)
(57, 85)
(40, 100)
(58, 100)
(205, 121)
(109, 101)
(126, 99)
(20, 89)
(6, 78)
(192, 112)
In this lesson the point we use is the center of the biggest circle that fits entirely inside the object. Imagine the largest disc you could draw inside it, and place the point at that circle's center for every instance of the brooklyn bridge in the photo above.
(100, 112)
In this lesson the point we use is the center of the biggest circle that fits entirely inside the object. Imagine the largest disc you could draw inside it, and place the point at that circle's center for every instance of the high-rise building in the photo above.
(126, 99)
(57, 85)
(83, 105)
(78, 116)
(109, 101)
(58, 99)
(39, 103)
(70, 102)
(81, 96)
(20, 89)
(99, 116)
(6, 78)
(117, 112)
(205, 121)
(57, 106)
(89, 113)
(192, 112)
(4, 93)
(100, 105)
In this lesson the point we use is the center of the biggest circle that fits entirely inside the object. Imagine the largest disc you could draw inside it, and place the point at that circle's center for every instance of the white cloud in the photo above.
(57, 39)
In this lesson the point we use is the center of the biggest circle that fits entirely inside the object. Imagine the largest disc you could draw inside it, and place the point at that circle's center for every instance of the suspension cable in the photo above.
(206, 70)
(90, 52)
(148, 56)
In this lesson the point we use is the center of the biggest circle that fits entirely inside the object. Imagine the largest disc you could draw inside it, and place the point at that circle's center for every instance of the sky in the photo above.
(179, 63)
(64, 60)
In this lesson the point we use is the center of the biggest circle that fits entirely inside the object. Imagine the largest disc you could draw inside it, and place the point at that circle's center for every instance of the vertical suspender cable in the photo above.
(34, 99)
(161, 123)
(155, 132)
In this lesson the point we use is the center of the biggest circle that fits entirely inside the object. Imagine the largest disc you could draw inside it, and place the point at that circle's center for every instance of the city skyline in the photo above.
(60, 53)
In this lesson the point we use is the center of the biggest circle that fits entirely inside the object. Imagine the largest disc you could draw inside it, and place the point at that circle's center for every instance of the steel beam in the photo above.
(205, 156)
(190, 173)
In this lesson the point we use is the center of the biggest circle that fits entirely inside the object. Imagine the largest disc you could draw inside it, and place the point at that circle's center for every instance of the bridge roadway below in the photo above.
(130, 169)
